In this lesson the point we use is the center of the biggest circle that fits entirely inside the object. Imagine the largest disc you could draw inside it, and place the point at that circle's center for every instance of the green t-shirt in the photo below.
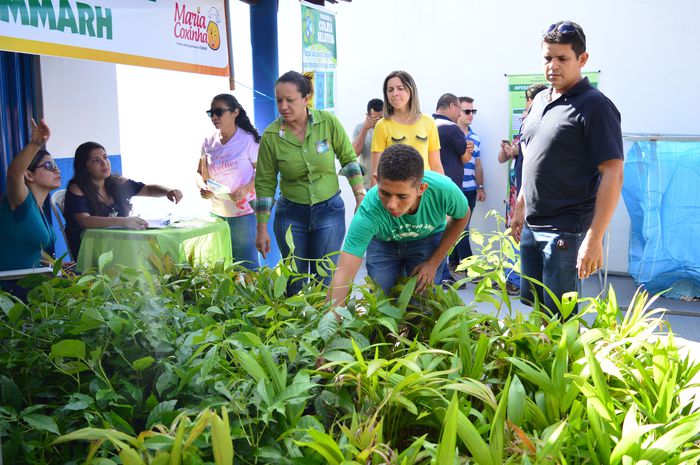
(442, 198)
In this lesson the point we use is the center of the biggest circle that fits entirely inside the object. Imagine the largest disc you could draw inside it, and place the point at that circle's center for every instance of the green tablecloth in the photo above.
(207, 241)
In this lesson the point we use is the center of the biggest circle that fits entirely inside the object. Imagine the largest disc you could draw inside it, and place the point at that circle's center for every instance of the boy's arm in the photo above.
(425, 272)
(344, 275)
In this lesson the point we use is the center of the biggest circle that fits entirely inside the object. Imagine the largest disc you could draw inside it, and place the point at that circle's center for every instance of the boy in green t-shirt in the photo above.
(402, 224)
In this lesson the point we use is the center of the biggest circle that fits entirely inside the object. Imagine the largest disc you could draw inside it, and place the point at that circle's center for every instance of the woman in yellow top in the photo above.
(403, 123)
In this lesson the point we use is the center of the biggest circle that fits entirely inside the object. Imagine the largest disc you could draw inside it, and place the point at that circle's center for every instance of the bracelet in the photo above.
(360, 192)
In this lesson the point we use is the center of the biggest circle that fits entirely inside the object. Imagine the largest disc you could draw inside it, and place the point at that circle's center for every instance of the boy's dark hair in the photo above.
(446, 100)
(401, 162)
(566, 32)
(376, 105)
(534, 90)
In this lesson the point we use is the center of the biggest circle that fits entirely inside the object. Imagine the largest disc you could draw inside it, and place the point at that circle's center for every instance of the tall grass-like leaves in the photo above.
(446, 451)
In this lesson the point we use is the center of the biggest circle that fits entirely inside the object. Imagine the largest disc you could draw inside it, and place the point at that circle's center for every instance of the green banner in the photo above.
(517, 85)
(319, 55)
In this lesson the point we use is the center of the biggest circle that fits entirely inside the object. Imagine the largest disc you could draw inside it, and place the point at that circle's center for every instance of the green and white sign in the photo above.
(178, 35)
(319, 55)
(517, 85)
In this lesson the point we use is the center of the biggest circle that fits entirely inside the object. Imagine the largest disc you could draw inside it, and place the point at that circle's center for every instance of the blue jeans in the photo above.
(387, 260)
(549, 257)
(317, 230)
(463, 248)
(243, 230)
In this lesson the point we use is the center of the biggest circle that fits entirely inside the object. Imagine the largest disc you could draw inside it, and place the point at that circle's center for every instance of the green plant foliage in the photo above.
(216, 365)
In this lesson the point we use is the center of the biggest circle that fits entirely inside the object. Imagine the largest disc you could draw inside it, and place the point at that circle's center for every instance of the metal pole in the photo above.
(263, 39)
(229, 41)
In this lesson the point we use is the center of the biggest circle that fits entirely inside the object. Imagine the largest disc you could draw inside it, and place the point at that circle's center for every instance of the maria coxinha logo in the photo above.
(197, 27)
(83, 19)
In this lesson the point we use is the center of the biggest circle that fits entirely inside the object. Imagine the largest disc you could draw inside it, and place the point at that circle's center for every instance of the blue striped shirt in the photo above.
(469, 179)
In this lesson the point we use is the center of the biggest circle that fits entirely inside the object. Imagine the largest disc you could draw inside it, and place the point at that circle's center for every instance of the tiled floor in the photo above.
(683, 317)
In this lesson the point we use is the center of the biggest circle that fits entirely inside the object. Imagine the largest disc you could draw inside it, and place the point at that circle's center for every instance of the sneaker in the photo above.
(512, 289)
(448, 282)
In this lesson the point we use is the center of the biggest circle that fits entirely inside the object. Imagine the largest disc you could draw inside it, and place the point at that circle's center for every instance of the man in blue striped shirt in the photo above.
(473, 180)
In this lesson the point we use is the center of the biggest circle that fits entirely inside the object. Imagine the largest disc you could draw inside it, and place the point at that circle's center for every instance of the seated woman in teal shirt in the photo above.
(25, 231)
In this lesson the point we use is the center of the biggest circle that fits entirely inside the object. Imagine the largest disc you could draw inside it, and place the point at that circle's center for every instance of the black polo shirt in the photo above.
(453, 144)
(563, 143)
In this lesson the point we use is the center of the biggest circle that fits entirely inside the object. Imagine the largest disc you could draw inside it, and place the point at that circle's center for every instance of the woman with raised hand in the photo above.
(97, 198)
(26, 231)
(226, 174)
(301, 146)
(403, 123)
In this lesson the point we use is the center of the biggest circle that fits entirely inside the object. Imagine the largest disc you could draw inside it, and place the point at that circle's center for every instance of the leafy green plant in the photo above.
(95, 366)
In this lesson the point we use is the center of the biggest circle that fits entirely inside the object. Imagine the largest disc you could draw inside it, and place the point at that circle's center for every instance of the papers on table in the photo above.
(158, 223)
(219, 189)
(19, 274)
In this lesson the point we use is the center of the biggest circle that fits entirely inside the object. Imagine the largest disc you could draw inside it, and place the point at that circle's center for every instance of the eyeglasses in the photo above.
(217, 111)
(49, 165)
(469, 112)
(567, 28)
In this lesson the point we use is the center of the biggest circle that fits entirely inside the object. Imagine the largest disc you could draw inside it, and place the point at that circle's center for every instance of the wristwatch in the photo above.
(358, 192)
(480, 186)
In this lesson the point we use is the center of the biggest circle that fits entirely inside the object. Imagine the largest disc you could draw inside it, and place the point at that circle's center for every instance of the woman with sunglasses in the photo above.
(226, 174)
(25, 231)
(97, 198)
(301, 146)
(403, 123)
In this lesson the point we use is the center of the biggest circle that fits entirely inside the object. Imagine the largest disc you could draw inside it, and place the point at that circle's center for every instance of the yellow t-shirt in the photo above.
(421, 135)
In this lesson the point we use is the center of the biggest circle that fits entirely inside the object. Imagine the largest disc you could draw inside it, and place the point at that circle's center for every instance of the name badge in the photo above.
(322, 146)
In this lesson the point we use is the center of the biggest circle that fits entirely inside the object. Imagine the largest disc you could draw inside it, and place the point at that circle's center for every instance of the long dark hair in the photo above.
(242, 120)
(83, 180)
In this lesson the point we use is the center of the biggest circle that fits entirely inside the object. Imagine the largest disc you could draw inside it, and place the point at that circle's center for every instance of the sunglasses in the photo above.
(567, 28)
(469, 112)
(49, 165)
(217, 111)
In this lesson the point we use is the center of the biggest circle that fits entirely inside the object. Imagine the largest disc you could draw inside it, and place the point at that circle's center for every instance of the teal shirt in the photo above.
(23, 235)
(442, 198)
(307, 170)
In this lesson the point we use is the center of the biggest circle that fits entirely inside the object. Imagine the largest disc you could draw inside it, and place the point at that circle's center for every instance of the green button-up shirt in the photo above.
(306, 168)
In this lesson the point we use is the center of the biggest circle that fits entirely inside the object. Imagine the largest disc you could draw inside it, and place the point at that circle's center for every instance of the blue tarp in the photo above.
(662, 195)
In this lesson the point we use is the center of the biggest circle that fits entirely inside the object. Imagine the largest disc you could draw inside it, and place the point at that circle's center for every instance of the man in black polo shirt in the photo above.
(572, 172)
(455, 151)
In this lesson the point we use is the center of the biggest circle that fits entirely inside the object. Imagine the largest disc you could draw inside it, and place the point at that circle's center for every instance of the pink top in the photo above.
(231, 165)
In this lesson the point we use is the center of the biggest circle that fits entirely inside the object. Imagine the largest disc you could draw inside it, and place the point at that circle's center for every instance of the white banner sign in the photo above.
(177, 35)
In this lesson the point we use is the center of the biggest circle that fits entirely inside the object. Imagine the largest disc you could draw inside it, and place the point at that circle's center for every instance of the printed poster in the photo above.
(319, 57)
(175, 35)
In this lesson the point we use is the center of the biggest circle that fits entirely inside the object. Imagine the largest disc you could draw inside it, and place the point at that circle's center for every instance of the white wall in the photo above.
(80, 104)
(643, 48)
(163, 123)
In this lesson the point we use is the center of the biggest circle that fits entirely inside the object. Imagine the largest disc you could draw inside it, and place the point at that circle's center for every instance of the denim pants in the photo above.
(549, 257)
(463, 248)
(388, 260)
(317, 230)
(243, 230)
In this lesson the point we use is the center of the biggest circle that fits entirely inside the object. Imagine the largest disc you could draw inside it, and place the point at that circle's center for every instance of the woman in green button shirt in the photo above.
(301, 147)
